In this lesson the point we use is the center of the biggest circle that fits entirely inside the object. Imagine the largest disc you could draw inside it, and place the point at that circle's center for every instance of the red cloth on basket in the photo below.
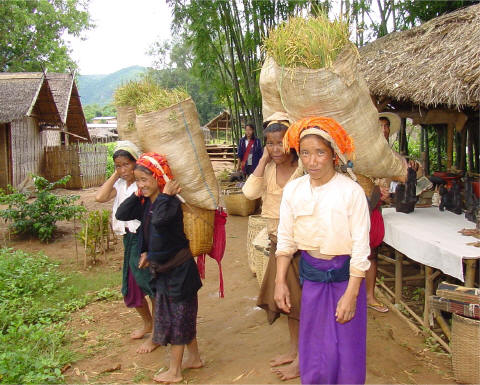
(218, 247)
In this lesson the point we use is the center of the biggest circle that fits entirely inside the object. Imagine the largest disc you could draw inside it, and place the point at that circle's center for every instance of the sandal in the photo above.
(380, 307)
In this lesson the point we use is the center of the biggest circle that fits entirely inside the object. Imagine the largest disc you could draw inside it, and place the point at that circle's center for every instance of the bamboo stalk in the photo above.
(86, 238)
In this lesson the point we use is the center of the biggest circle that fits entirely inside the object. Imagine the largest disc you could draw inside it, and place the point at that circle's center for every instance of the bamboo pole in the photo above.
(450, 129)
(398, 276)
(86, 238)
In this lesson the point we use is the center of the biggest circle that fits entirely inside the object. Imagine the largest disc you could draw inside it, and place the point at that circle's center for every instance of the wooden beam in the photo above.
(470, 268)
(450, 130)
(398, 276)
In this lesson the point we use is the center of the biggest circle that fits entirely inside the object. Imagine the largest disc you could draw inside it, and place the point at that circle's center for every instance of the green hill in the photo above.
(98, 89)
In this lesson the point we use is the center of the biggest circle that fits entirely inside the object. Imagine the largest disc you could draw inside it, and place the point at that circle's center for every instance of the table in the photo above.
(430, 237)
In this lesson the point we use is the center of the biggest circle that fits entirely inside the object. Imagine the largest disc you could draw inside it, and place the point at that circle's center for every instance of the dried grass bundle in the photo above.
(147, 96)
(313, 42)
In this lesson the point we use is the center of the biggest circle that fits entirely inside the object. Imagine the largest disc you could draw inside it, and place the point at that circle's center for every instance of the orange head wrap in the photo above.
(158, 165)
(342, 140)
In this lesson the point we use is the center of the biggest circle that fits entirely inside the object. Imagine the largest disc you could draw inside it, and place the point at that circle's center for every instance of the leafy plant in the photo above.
(38, 217)
(110, 165)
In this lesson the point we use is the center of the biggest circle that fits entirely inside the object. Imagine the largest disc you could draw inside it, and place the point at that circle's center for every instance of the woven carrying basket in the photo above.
(237, 204)
(261, 262)
(466, 349)
(198, 227)
(261, 253)
(255, 224)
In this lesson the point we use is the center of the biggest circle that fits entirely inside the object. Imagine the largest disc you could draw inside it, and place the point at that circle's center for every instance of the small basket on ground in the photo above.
(255, 224)
(237, 204)
(261, 245)
(466, 349)
(198, 227)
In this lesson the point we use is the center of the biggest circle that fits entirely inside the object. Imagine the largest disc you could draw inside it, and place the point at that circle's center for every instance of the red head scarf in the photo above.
(158, 165)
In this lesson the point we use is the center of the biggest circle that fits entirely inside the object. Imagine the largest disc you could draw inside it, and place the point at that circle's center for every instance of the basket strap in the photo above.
(196, 155)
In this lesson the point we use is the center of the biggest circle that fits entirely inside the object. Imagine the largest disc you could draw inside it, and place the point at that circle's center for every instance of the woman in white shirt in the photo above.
(325, 215)
(135, 281)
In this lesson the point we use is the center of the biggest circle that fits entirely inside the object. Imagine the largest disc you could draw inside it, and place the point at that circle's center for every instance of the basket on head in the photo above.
(466, 349)
(237, 204)
(255, 224)
(198, 227)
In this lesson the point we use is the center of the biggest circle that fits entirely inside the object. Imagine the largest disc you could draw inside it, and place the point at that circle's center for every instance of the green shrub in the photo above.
(110, 165)
(38, 217)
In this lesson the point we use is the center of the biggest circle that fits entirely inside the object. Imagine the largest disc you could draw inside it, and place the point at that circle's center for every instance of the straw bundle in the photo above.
(313, 42)
(311, 70)
(147, 96)
(198, 227)
(255, 224)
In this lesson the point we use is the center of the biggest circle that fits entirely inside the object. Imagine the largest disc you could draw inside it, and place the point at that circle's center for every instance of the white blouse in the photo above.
(328, 220)
(123, 192)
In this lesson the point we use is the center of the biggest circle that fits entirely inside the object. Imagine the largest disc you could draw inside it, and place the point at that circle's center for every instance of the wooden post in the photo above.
(427, 152)
(398, 276)
(439, 148)
(450, 129)
(463, 144)
(470, 149)
(428, 293)
(470, 268)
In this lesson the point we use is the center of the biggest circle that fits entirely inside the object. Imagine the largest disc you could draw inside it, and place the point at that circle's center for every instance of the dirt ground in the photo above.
(234, 337)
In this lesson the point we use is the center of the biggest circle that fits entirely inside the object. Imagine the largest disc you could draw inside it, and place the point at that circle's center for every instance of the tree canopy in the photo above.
(32, 33)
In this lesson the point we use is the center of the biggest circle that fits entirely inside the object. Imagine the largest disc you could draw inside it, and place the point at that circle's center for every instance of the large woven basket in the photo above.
(198, 227)
(261, 254)
(255, 224)
(466, 349)
(237, 204)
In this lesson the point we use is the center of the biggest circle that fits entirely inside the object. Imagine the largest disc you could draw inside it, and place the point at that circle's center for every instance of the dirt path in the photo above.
(235, 340)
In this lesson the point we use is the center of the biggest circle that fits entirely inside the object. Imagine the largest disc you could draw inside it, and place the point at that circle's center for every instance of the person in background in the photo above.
(249, 151)
(275, 169)
(325, 215)
(135, 282)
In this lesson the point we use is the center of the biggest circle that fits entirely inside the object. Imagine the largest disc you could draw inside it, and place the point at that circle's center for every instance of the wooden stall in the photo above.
(431, 75)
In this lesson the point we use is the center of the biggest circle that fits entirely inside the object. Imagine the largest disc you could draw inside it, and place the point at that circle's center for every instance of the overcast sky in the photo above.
(124, 31)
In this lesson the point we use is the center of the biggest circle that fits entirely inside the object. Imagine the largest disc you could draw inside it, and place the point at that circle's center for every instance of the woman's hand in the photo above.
(143, 261)
(346, 307)
(384, 194)
(172, 188)
(265, 156)
(282, 297)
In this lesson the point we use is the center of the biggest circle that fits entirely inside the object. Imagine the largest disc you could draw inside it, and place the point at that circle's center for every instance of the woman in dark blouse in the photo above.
(165, 248)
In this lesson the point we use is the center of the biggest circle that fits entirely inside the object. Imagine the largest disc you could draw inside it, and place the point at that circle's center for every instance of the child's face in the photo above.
(124, 167)
(316, 156)
(146, 183)
(274, 144)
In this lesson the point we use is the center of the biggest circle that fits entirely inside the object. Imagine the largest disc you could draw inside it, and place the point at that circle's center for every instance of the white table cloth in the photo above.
(430, 236)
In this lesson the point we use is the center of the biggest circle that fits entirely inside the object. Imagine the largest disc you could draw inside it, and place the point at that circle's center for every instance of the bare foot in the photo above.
(192, 363)
(140, 333)
(282, 359)
(168, 377)
(147, 347)
(287, 372)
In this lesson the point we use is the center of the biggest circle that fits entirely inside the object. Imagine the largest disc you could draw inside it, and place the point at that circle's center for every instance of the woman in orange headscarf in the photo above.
(325, 215)
(164, 247)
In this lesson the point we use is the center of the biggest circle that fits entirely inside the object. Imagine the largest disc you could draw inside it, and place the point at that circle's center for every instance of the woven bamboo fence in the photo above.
(86, 163)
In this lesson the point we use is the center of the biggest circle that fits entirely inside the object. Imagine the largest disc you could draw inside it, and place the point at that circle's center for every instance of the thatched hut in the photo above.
(26, 108)
(431, 73)
(65, 93)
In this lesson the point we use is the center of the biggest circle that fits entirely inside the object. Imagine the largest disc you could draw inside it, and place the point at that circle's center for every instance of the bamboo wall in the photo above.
(86, 163)
(50, 138)
(26, 149)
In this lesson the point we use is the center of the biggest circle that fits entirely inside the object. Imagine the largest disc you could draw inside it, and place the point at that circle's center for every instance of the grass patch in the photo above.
(35, 299)
(312, 42)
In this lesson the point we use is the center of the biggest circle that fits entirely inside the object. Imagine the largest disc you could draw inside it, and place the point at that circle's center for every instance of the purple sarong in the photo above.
(330, 352)
(135, 294)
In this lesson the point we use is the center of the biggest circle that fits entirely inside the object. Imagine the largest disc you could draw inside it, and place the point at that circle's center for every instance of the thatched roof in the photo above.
(222, 121)
(436, 63)
(66, 97)
(26, 94)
